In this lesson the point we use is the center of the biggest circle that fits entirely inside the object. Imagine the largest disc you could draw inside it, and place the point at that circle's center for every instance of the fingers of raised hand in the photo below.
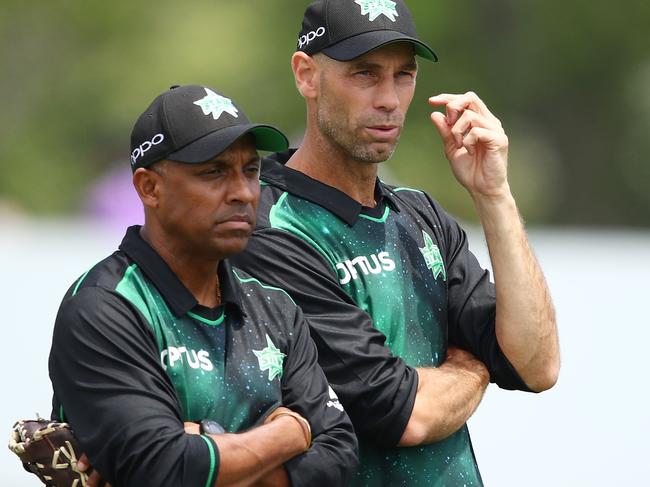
(488, 137)
(464, 124)
(455, 105)
(470, 119)
(440, 122)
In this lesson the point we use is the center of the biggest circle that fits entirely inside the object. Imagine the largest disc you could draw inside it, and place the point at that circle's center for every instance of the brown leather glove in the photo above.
(49, 450)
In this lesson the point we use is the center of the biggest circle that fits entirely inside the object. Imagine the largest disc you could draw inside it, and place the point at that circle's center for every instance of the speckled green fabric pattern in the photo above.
(213, 379)
(395, 272)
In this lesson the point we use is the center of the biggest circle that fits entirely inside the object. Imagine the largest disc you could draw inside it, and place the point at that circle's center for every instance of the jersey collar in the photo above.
(335, 201)
(179, 299)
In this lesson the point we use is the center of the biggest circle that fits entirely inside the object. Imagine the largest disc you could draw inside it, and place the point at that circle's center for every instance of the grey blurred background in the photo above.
(569, 80)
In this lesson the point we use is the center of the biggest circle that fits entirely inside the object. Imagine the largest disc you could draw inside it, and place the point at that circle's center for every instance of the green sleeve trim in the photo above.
(252, 279)
(81, 279)
(213, 461)
(61, 414)
(128, 287)
(397, 190)
(378, 220)
(208, 322)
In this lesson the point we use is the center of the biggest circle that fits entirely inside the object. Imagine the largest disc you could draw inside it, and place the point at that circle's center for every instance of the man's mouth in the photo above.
(240, 221)
(384, 132)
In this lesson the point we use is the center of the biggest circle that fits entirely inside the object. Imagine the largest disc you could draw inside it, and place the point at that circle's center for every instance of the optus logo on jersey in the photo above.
(306, 39)
(196, 360)
(145, 146)
(350, 268)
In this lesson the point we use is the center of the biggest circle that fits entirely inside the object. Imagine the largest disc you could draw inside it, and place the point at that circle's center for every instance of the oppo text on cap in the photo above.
(145, 146)
(306, 39)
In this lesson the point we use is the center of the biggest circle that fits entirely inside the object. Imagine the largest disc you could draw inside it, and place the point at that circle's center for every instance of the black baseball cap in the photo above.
(193, 124)
(347, 29)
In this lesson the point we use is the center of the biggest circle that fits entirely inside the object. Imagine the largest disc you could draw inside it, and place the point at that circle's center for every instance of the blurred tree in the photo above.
(569, 80)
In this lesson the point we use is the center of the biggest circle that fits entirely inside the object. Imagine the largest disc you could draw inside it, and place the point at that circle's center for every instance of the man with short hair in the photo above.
(408, 327)
(165, 332)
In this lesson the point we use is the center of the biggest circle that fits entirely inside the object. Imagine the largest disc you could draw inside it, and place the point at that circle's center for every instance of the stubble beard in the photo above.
(334, 127)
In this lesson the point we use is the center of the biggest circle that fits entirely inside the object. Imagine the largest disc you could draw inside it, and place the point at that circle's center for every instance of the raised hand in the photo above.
(475, 143)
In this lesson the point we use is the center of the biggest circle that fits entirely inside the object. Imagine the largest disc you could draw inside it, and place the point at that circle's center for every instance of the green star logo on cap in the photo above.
(215, 105)
(378, 7)
(271, 359)
(432, 257)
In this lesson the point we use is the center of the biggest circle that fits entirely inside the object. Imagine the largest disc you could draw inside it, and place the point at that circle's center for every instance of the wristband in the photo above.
(304, 424)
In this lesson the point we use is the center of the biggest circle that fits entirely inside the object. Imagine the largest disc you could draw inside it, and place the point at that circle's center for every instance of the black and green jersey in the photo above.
(384, 290)
(134, 356)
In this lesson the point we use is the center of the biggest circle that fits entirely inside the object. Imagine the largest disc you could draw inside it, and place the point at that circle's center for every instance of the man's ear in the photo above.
(306, 73)
(147, 183)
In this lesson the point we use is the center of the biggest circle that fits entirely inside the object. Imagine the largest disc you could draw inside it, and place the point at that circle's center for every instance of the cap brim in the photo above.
(359, 45)
(267, 138)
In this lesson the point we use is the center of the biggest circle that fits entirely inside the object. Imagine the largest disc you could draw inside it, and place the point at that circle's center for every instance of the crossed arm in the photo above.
(254, 458)
(126, 412)
(389, 402)
(446, 398)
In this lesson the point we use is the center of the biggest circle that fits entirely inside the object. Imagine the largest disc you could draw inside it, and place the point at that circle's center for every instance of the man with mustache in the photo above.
(165, 332)
(408, 327)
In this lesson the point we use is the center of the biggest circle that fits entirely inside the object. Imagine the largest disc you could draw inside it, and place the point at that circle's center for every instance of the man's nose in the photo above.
(242, 189)
(387, 96)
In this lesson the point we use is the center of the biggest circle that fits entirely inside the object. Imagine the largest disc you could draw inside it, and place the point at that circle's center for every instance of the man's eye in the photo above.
(363, 73)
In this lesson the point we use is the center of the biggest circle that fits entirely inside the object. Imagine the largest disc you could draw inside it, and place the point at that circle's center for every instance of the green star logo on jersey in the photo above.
(215, 105)
(378, 7)
(432, 257)
(271, 359)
